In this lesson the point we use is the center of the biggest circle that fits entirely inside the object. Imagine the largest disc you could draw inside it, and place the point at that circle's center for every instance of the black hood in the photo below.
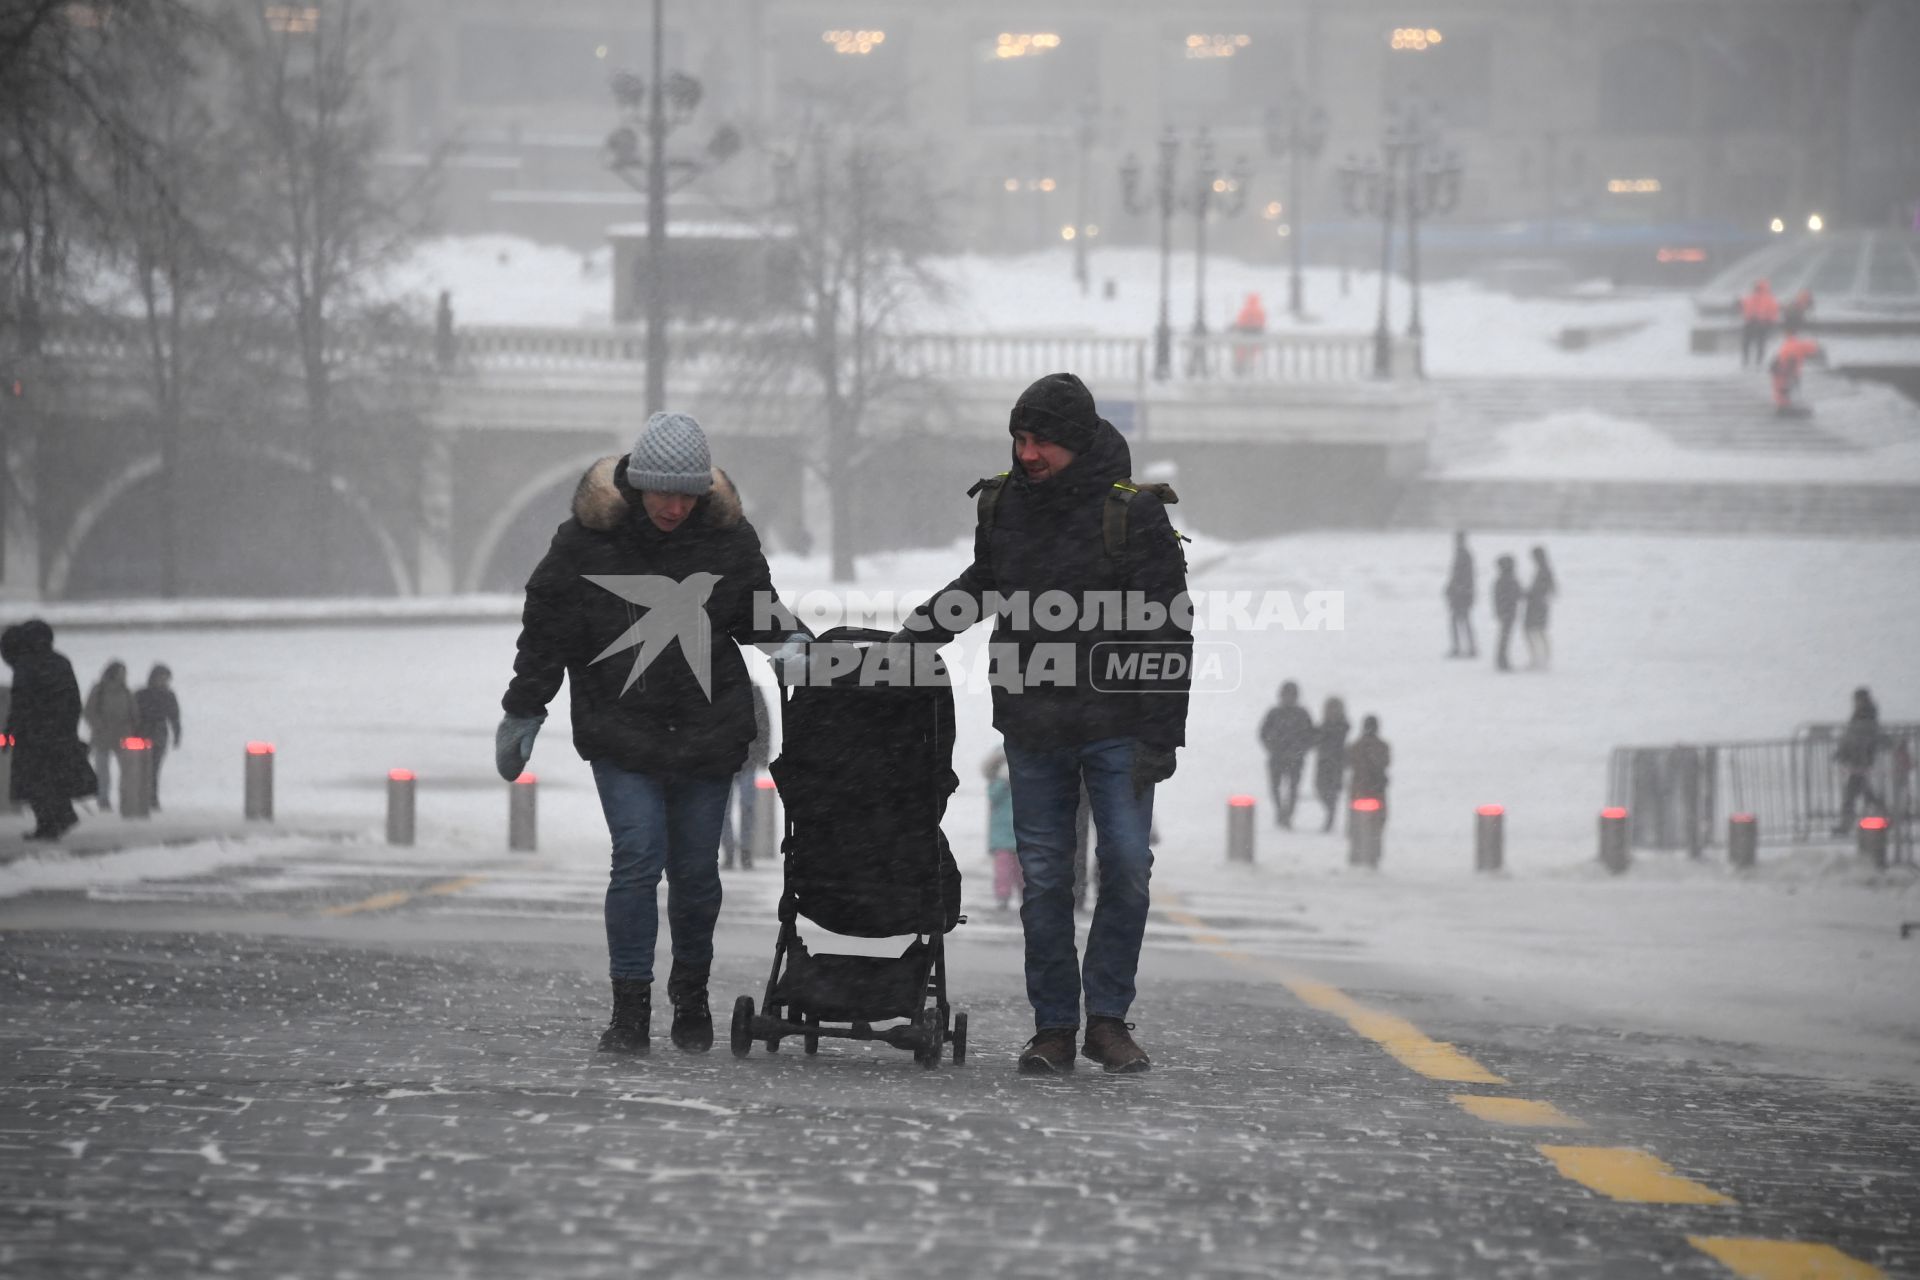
(28, 640)
(1099, 466)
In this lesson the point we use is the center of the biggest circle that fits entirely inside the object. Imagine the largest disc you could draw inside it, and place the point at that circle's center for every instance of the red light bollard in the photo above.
(1240, 829)
(1365, 820)
(1871, 842)
(136, 778)
(766, 820)
(259, 782)
(1490, 837)
(6, 772)
(400, 786)
(522, 798)
(1743, 841)
(1616, 855)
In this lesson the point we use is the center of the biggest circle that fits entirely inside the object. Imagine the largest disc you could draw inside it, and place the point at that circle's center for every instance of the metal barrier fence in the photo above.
(1680, 796)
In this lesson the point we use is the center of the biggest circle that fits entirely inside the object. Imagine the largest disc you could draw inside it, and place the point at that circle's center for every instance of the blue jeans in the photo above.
(1046, 798)
(661, 823)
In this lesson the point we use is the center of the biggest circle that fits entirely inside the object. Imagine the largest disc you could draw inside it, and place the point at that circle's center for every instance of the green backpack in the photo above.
(1113, 516)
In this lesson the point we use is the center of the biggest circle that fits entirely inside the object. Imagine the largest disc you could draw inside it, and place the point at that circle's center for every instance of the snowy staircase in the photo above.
(1731, 415)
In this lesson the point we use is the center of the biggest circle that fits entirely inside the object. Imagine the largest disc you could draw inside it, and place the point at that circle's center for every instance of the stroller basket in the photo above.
(849, 988)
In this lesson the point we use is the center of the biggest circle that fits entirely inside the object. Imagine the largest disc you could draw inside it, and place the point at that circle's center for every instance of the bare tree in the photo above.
(857, 216)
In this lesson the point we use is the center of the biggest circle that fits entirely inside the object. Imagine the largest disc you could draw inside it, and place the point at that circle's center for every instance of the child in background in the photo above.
(1000, 844)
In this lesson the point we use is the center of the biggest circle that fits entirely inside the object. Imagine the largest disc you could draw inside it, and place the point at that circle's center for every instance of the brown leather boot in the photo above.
(1110, 1045)
(1048, 1053)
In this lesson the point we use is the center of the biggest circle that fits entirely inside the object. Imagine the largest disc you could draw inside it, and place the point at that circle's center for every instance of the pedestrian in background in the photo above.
(42, 732)
(1506, 607)
(1287, 734)
(1369, 757)
(1860, 744)
(1252, 322)
(1459, 595)
(746, 787)
(1000, 842)
(1330, 757)
(157, 712)
(111, 719)
(1759, 312)
(1539, 604)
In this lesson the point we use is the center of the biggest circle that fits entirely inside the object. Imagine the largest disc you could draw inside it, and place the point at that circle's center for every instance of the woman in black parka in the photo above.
(43, 730)
(640, 603)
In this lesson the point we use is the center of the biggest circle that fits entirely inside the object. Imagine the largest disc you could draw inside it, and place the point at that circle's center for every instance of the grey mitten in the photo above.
(513, 744)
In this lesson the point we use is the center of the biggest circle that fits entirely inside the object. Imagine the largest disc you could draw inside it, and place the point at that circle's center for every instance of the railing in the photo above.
(1679, 797)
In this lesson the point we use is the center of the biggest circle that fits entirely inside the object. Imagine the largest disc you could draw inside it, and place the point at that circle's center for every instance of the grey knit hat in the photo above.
(671, 456)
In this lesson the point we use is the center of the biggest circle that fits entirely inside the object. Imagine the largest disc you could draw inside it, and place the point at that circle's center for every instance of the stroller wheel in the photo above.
(742, 1029)
(931, 1034)
(812, 1042)
(960, 1038)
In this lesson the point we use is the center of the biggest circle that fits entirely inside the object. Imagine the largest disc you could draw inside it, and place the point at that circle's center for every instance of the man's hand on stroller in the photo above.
(1151, 765)
(790, 659)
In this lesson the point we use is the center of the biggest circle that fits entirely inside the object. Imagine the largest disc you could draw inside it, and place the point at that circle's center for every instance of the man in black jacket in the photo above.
(1287, 733)
(1092, 647)
(43, 730)
(657, 560)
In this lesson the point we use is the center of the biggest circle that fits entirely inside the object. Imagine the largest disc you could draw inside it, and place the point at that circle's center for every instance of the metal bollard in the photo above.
(259, 782)
(136, 778)
(1240, 829)
(1743, 840)
(1615, 854)
(1490, 837)
(1363, 832)
(1871, 838)
(521, 798)
(766, 819)
(400, 784)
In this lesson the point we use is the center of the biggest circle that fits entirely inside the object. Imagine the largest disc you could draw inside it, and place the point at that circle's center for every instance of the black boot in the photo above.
(692, 1019)
(632, 1016)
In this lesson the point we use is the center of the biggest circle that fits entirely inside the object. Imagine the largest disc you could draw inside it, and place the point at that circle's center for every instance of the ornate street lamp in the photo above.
(1165, 198)
(659, 105)
(1086, 133)
(1297, 130)
(1371, 188)
(1432, 187)
(1212, 191)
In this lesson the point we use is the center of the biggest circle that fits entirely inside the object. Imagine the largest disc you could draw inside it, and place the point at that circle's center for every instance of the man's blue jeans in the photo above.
(661, 823)
(1046, 797)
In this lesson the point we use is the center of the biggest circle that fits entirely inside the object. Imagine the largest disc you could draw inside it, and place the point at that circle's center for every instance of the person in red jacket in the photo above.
(1788, 361)
(1252, 320)
(1759, 312)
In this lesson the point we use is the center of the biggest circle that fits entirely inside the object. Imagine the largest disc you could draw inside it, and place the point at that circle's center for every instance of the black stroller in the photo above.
(864, 775)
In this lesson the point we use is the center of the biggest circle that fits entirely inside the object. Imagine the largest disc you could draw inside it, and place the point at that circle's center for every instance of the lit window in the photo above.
(1414, 39)
(298, 20)
(1633, 186)
(1047, 184)
(855, 42)
(1201, 45)
(1025, 44)
(1013, 184)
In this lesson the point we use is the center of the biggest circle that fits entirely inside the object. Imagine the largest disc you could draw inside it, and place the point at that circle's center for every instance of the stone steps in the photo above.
(1733, 413)
(1809, 510)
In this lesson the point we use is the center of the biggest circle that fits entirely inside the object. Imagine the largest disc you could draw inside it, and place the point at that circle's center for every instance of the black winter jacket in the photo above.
(1050, 536)
(1287, 733)
(665, 723)
(43, 718)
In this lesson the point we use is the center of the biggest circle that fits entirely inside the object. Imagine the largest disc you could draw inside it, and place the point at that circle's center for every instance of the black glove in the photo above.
(1151, 765)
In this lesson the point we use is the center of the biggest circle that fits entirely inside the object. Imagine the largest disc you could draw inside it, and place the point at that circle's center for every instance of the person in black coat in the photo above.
(43, 730)
(1859, 748)
(1370, 759)
(1506, 608)
(158, 714)
(639, 605)
(1459, 596)
(1287, 734)
(1330, 757)
(1539, 606)
(1095, 696)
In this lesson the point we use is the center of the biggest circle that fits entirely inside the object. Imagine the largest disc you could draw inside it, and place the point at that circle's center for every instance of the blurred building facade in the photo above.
(1572, 117)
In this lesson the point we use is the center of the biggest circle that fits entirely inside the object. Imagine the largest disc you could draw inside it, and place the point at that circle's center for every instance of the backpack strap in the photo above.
(986, 494)
(1113, 518)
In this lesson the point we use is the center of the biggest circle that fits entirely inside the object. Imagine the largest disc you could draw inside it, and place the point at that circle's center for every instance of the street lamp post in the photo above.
(1165, 199)
(1432, 186)
(1298, 131)
(1085, 134)
(1371, 188)
(1211, 191)
(659, 104)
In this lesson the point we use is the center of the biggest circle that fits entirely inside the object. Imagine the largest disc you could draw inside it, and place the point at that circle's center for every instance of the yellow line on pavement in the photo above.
(1432, 1058)
(1519, 1112)
(1627, 1173)
(397, 897)
(1784, 1259)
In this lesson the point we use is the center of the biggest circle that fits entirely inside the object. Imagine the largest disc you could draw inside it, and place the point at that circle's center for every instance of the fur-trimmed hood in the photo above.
(601, 502)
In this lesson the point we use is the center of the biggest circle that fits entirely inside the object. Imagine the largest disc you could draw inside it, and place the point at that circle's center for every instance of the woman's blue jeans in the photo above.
(661, 823)
(1046, 799)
